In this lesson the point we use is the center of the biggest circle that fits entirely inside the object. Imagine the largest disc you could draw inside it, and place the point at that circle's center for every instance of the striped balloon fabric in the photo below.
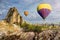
(44, 10)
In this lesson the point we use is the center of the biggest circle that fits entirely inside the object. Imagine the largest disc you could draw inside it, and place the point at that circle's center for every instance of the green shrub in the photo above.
(30, 27)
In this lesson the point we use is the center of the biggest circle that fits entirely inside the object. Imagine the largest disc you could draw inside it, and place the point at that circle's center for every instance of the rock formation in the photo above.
(49, 35)
(13, 16)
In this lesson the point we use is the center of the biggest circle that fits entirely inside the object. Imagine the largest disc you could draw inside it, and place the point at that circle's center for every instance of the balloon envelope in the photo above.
(44, 10)
(26, 13)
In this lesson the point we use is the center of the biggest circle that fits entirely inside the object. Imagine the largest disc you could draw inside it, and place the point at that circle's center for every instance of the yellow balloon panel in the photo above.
(40, 6)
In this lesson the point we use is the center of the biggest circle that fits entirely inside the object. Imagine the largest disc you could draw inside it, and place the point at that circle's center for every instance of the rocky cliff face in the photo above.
(13, 16)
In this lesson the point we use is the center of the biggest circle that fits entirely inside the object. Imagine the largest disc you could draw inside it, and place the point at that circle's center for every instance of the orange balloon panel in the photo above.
(26, 13)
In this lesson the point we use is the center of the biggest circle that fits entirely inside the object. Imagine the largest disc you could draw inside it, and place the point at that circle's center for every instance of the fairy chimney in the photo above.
(13, 16)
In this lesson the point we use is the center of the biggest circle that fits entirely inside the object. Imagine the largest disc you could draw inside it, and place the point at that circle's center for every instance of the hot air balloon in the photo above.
(26, 13)
(44, 10)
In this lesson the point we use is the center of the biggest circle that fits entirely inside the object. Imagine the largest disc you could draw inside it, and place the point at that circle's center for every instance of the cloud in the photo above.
(31, 1)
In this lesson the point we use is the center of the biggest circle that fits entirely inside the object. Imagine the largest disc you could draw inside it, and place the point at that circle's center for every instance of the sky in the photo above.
(31, 7)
